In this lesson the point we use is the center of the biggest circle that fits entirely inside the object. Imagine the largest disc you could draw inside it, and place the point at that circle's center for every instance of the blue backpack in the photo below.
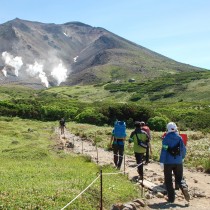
(119, 129)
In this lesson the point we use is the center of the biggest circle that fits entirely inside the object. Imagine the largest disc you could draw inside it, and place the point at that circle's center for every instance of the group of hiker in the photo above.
(171, 157)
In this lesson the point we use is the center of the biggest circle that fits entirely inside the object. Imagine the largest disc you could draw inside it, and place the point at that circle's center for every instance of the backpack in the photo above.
(146, 129)
(62, 122)
(174, 151)
(120, 129)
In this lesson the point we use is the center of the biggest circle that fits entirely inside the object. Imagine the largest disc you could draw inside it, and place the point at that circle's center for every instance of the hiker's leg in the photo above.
(121, 152)
(168, 182)
(115, 152)
(139, 160)
(178, 173)
(62, 129)
(181, 182)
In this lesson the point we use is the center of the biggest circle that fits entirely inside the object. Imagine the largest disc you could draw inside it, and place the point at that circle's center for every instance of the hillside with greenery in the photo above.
(183, 98)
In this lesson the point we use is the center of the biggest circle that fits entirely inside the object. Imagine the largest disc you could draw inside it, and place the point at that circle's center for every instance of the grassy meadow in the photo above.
(35, 175)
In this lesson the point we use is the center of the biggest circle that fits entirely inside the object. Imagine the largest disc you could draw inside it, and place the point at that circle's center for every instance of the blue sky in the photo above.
(178, 29)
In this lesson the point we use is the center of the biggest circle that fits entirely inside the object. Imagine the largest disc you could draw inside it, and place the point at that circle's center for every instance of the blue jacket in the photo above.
(170, 140)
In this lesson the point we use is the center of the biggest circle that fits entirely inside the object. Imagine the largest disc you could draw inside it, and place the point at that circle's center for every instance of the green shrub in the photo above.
(90, 116)
(207, 165)
(157, 123)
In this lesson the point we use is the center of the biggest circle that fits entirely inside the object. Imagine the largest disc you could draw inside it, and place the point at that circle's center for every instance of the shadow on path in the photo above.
(166, 205)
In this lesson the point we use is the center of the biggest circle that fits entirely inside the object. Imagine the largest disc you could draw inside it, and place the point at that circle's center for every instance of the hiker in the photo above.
(62, 124)
(171, 160)
(141, 142)
(117, 142)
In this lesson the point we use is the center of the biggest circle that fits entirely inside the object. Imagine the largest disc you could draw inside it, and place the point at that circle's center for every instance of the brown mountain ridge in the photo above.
(46, 54)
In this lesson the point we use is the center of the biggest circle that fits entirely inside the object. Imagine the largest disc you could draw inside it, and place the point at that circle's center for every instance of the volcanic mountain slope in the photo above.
(74, 53)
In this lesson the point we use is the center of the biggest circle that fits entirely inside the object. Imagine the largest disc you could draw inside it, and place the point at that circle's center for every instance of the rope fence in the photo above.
(100, 176)
(81, 192)
(101, 187)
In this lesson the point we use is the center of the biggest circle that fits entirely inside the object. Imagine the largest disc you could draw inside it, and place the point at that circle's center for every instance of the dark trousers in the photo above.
(139, 159)
(177, 170)
(118, 151)
(62, 129)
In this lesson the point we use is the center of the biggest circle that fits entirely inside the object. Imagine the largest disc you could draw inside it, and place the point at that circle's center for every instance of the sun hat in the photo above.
(171, 127)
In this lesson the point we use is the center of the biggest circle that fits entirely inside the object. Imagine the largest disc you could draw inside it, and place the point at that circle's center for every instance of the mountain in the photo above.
(43, 55)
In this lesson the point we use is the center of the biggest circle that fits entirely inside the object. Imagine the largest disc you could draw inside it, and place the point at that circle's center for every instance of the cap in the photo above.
(142, 123)
(137, 123)
(171, 127)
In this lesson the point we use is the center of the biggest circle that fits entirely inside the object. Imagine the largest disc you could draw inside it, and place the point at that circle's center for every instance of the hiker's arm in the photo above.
(131, 138)
(111, 140)
(150, 148)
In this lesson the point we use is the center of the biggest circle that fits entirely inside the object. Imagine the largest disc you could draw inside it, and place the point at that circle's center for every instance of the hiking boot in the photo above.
(176, 186)
(140, 178)
(185, 193)
(184, 189)
(170, 201)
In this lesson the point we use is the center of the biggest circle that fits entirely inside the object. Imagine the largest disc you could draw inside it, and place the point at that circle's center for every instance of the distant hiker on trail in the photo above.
(141, 143)
(62, 124)
(171, 159)
(117, 142)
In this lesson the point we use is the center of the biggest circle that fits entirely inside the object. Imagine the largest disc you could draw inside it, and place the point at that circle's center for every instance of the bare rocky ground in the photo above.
(198, 182)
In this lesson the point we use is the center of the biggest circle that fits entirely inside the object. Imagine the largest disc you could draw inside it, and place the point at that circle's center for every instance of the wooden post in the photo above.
(124, 163)
(97, 154)
(101, 198)
(82, 146)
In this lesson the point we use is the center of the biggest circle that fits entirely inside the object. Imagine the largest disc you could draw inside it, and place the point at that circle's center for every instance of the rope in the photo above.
(121, 172)
(119, 155)
(135, 167)
(81, 192)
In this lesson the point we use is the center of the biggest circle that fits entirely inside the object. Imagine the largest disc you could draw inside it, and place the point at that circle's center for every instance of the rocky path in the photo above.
(198, 182)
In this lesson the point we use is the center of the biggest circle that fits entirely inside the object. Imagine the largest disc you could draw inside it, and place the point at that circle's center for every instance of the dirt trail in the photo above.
(198, 182)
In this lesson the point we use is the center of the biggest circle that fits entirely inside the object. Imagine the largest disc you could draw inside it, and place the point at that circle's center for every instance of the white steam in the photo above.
(15, 62)
(4, 71)
(59, 73)
(75, 59)
(37, 70)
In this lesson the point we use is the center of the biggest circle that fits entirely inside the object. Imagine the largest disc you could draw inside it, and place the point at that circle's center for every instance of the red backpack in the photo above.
(146, 129)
